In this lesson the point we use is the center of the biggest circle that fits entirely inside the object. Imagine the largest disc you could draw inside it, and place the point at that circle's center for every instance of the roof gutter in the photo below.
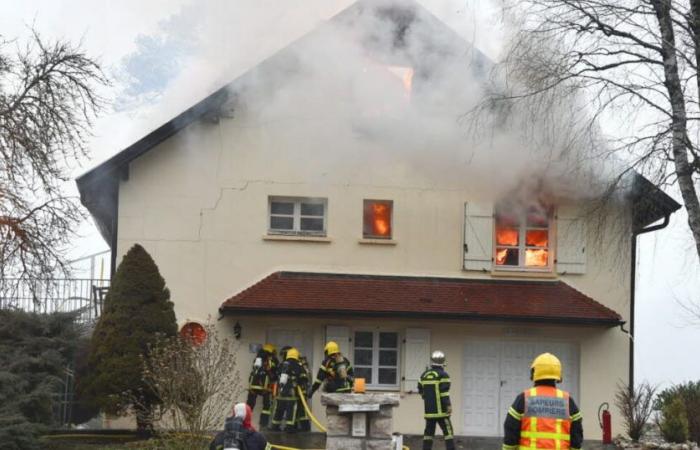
(633, 286)
(228, 310)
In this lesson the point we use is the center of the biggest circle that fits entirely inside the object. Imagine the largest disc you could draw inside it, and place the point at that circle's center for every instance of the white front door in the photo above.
(496, 371)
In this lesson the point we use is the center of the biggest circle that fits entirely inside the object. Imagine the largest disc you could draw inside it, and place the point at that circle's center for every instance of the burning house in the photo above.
(331, 193)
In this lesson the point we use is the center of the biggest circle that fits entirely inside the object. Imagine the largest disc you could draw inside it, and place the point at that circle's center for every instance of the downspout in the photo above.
(633, 283)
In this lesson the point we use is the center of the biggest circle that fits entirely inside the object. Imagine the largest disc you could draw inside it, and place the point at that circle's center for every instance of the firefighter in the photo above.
(434, 389)
(543, 417)
(261, 381)
(303, 423)
(336, 373)
(291, 375)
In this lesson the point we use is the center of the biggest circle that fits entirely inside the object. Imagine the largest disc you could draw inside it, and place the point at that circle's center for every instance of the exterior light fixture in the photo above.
(237, 330)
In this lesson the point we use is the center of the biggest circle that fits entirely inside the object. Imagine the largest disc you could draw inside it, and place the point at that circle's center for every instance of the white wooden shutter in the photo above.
(571, 242)
(478, 236)
(340, 335)
(416, 357)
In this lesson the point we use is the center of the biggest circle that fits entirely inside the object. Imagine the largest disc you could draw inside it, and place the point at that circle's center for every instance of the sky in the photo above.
(164, 55)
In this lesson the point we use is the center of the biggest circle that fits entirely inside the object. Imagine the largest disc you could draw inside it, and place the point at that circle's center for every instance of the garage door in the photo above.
(495, 371)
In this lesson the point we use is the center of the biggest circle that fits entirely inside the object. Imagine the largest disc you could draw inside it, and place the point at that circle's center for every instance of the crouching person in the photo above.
(239, 433)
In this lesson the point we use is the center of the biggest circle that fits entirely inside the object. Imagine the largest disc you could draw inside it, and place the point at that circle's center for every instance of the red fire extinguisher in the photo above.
(604, 419)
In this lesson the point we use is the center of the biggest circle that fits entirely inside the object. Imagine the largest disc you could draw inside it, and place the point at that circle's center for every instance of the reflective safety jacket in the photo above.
(434, 388)
(291, 376)
(543, 417)
(336, 374)
(262, 377)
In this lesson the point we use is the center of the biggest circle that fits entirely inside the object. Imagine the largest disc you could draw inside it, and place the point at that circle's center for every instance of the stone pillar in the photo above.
(359, 421)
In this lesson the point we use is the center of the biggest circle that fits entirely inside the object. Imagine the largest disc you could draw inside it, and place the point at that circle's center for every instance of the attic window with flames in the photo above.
(523, 237)
(377, 219)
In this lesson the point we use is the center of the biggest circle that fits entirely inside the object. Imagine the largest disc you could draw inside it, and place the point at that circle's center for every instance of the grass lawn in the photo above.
(118, 442)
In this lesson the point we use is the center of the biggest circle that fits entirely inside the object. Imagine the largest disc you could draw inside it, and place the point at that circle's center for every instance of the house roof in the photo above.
(308, 294)
(97, 186)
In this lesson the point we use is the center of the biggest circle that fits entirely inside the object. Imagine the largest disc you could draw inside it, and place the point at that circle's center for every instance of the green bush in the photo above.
(137, 312)
(689, 393)
(674, 423)
(35, 350)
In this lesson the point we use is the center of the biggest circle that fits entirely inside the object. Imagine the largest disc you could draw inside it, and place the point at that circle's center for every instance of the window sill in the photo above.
(297, 238)
(523, 274)
(366, 241)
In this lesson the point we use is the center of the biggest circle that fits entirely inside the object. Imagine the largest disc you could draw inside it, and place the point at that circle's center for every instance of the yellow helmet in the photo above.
(269, 348)
(546, 367)
(293, 353)
(331, 348)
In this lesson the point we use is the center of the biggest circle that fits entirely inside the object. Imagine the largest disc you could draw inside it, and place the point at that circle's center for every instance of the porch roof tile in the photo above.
(304, 293)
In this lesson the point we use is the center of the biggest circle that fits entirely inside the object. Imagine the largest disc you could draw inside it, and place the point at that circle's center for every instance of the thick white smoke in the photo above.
(381, 83)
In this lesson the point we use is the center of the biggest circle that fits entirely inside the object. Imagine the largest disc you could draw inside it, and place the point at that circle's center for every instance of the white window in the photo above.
(297, 215)
(376, 358)
(522, 237)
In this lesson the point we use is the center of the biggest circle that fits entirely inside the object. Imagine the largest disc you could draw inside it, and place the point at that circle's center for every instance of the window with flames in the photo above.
(522, 237)
(377, 219)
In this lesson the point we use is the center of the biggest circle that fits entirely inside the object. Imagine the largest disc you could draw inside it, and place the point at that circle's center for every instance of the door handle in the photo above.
(503, 382)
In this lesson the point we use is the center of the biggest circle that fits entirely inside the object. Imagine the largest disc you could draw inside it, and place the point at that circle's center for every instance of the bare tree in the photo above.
(196, 383)
(48, 100)
(631, 60)
(636, 404)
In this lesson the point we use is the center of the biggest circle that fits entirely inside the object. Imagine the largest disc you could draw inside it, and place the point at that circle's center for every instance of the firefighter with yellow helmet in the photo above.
(261, 380)
(543, 417)
(335, 374)
(291, 375)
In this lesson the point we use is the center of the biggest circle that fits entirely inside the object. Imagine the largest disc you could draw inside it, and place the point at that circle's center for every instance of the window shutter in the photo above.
(571, 243)
(416, 357)
(341, 335)
(478, 236)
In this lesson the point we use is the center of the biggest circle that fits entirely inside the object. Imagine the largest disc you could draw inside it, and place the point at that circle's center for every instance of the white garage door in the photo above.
(496, 371)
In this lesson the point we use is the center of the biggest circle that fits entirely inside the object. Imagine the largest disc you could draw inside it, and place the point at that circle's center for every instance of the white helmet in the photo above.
(437, 358)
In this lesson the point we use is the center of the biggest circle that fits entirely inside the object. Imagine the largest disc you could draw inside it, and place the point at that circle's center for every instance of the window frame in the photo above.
(390, 236)
(522, 244)
(376, 386)
(297, 216)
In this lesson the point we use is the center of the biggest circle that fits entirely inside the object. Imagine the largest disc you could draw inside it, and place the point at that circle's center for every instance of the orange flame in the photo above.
(501, 256)
(381, 219)
(507, 236)
(536, 257)
(537, 238)
(405, 74)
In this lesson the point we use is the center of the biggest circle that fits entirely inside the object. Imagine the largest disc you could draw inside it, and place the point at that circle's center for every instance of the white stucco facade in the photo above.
(198, 203)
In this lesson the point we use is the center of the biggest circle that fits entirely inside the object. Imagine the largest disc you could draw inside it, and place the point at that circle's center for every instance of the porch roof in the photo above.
(323, 294)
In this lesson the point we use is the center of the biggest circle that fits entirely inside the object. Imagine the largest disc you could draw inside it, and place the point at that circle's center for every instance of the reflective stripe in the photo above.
(557, 443)
(444, 394)
(509, 447)
(533, 429)
(515, 414)
(533, 391)
(576, 417)
(436, 416)
(534, 435)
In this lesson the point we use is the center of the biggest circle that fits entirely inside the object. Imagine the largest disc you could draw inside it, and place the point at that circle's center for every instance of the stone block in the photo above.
(341, 443)
(379, 444)
(380, 398)
(331, 409)
(338, 424)
(381, 427)
(386, 411)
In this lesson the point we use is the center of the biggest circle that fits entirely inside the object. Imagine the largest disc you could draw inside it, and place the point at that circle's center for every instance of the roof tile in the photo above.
(401, 296)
